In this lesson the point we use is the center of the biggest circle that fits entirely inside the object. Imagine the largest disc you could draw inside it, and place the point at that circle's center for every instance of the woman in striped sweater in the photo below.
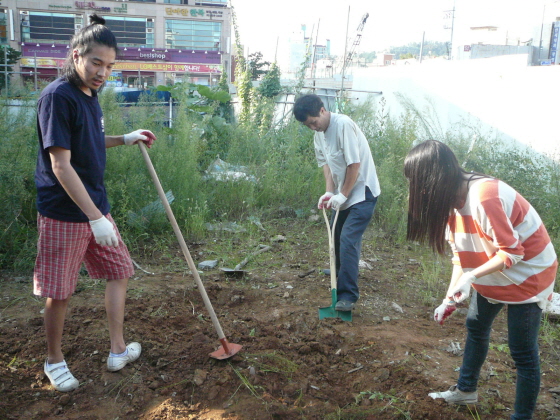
(500, 248)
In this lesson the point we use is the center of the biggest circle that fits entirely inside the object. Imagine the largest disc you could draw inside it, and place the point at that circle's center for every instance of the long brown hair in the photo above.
(435, 179)
(96, 33)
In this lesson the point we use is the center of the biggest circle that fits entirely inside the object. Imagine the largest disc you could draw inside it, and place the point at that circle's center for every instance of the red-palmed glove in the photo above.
(323, 200)
(133, 138)
(443, 311)
(104, 232)
(462, 289)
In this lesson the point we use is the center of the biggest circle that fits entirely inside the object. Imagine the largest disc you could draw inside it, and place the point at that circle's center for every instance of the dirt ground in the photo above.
(292, 365)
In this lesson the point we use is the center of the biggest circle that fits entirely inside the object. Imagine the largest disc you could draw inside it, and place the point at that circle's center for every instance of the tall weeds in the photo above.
(282, 180)
(17, 188)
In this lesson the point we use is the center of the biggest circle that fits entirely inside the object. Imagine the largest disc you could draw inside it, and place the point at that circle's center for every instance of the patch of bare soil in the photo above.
(382, 365)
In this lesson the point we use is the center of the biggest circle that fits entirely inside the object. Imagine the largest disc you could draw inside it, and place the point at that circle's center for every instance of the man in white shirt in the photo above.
(352, 187)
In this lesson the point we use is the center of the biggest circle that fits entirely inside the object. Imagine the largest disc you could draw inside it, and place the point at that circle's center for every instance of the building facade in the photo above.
(161, 41)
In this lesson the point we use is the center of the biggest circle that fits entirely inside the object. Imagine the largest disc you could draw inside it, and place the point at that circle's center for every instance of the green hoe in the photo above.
(329, 311)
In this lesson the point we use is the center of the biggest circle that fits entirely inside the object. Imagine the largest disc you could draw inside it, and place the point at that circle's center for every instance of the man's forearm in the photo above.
(71, 182)
(74, 187)
(112, 141)
(352, 172)
(329, 183)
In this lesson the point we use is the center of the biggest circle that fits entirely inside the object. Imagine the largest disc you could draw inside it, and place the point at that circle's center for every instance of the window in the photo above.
(216, 3)
(132, 32)
(144, 1)
(177, 1)
(3, 26)
(49, 27)
(193, 34)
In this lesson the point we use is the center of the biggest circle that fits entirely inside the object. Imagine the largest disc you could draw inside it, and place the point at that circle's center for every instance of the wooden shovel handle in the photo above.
(332, 261)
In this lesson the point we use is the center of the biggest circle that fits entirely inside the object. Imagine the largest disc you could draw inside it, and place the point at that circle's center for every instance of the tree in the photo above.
(12, 56)
(270, 86)
(225, 109)
(368, 57)
(431, 48)
(255, 65)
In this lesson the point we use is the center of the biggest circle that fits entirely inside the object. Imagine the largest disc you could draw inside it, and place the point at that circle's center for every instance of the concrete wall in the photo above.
(499, 96)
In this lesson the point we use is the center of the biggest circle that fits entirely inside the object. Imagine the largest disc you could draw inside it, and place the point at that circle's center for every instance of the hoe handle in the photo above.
(181, 240)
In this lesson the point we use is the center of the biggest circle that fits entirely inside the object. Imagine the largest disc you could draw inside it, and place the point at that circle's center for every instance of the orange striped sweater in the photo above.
(496, 220)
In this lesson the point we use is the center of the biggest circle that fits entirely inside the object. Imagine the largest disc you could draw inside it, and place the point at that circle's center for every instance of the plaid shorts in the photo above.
(61, 249)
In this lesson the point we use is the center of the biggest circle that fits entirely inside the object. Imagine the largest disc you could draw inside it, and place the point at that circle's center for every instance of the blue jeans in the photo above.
(523, 331)
(350, 227)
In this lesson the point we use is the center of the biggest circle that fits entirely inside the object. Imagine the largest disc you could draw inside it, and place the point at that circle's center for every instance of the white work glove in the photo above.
(323, 199)
(104, 232)
(462, 289)
(133, 138)
(446, 308)
(336, 201)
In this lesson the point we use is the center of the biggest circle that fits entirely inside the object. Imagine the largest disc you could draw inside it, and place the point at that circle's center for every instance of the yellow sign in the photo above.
(167, 67)
(41, 62)
(184, 11)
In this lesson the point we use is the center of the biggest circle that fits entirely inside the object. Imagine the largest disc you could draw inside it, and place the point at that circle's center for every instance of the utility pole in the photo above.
(450, 14)
(422, 46)
(542, 25)
(314, 60)
(344, 58)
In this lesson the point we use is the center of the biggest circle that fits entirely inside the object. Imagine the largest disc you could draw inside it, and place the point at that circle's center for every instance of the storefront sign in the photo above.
(41, 62)
(121, 66)
(115, 79)
(186, 12)
(46, 50)
(171, 55)
(122, 9)
(90, 5)
(168, 67)
(57, 6)
(145, 54)
(214, 13)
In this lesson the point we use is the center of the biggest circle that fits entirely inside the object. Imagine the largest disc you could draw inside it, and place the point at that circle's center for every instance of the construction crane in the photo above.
(350, 56)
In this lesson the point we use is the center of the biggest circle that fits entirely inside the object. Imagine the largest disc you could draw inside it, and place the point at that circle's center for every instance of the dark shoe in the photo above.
(344, 306)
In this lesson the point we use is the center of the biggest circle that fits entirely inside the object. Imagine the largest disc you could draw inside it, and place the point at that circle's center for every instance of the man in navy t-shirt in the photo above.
(74, 223)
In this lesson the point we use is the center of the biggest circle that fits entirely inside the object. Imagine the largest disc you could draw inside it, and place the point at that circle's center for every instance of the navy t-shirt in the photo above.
(68, 118)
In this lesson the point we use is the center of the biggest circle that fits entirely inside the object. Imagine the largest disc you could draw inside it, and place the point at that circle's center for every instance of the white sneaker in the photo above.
(60, 376)
(118, 362)
(455, 396)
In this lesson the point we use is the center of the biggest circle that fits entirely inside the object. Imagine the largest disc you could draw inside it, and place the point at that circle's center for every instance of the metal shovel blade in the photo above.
(232, 272)
(226, 351)
(330, 312)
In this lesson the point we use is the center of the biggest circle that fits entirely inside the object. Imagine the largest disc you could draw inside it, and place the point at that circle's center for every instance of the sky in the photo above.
(267, 27)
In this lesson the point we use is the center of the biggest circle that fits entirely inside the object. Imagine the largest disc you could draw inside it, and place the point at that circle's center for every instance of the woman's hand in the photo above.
(462, 289)
(444, 310)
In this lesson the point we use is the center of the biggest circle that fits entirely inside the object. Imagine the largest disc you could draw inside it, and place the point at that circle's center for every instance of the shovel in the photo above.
(329, 311)
(237, 271)
(227, 349)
